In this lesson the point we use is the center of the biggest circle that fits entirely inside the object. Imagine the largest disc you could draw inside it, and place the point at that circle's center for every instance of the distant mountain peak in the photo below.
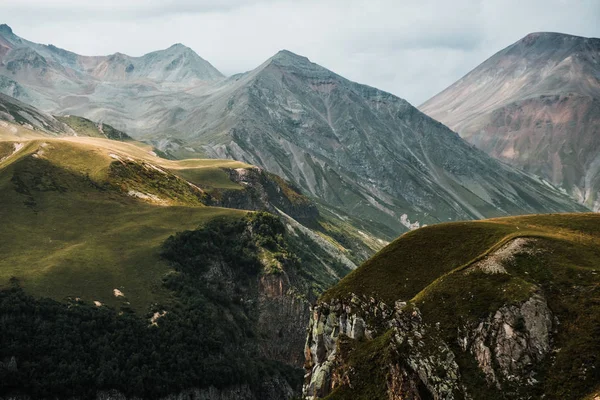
(179, 46)
(288, 57)
(5, 29)
(531, 104)
(551, 42)
(533, 36)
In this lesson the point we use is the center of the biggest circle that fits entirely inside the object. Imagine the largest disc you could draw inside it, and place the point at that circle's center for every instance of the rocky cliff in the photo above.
(265, 191)
(417, 363)
(494, 326)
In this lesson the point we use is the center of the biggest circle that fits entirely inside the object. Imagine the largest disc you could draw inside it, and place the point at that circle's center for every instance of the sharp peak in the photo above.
(5, 29)
(534, 37)
(288, 55)
(178, 46)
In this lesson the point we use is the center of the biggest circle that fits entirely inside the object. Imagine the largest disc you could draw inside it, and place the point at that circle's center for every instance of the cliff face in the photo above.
(492, 310)
(414, 361)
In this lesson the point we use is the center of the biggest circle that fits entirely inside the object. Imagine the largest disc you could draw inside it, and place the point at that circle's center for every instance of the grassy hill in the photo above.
(458, 274)
(85, 127)
(70, 227)
(100, 239)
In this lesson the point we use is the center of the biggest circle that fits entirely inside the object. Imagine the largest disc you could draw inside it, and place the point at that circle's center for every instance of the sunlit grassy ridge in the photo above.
(434, 269)
(419, 258)
(69, 230)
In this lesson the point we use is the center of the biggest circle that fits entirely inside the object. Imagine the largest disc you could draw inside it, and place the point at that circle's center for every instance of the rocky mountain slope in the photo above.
(16, 115)
(375, 165)
(149, 89)
(105, 232)
(509, 311)
(262, 190)
(535, 105)
(357, 148)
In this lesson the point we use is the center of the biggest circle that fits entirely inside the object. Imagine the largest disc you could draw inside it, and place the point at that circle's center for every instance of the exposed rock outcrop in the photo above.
(265, 191)
(413, 360)
(508, 344)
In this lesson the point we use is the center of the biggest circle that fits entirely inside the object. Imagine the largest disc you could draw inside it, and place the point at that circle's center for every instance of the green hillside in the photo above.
(85, 127)
(112, 262)
(69, 229)
(452, 275)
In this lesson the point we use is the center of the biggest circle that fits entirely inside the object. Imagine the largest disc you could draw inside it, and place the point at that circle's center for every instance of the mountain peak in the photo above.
(553, 41)
(178, 46)
(5, 29)
(290, 57)
(534, 36)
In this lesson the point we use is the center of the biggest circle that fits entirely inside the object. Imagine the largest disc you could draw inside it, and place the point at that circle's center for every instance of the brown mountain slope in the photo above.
(536, 105)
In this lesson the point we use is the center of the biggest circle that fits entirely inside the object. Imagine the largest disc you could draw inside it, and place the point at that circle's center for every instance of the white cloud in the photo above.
(411, 48)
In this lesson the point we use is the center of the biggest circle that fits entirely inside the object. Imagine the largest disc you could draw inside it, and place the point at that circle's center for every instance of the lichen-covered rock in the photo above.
(509, 343)
(423, 359)
(419, 363)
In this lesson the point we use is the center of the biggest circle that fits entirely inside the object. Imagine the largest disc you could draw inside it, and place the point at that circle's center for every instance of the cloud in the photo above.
(119, 9)
(412, 48)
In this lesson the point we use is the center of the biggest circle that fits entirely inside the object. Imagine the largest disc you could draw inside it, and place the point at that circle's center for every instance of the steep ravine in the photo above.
(249, 310)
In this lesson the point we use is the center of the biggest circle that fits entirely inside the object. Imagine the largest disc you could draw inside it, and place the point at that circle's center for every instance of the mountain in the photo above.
(509, 311)
(128, 92)
(177, 65)
(535, 105)
(103, 241)
(17, 112)
(357, 148)
(16, 115)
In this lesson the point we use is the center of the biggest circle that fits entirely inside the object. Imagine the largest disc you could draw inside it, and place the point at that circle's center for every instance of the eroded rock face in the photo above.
(281, 320)
(422, 360)
(269, 192)
(507, 346)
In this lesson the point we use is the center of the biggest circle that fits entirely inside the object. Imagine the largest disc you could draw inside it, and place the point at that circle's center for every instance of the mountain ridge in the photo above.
(350, 146)
(480, 318)
(300, 110)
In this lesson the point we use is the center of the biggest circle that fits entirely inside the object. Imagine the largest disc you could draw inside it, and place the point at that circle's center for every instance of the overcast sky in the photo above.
(413, 49)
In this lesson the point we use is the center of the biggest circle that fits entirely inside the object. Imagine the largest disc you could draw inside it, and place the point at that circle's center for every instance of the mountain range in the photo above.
(534, 105)
(351, 147)
(168, 232)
